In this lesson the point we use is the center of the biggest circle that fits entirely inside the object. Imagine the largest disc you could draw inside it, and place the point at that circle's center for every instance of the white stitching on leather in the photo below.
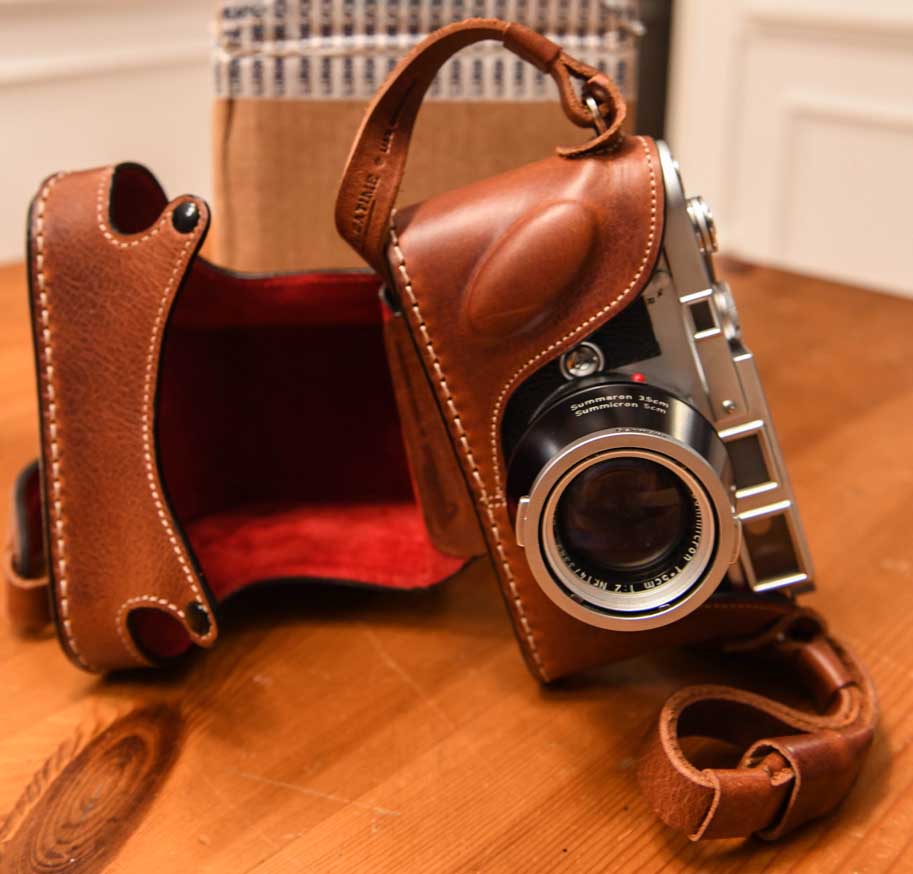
(55, 499)
(133, 602)
(467, 451)
(105, 186)
(581, 327)
(147, 446)
(499, 499)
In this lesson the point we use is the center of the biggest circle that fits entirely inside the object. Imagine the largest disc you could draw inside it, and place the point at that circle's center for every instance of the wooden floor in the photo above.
(363, 732)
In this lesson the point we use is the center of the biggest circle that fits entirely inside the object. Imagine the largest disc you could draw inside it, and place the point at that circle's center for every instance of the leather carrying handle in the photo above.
(377, 160)
(797, 765)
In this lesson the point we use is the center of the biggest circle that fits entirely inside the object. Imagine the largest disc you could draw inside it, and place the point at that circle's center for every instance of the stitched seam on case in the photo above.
(467, 450)
(604, 150)
(496, 467)
(55, 499)
(147, 452)
(133, 602)
(105, 185)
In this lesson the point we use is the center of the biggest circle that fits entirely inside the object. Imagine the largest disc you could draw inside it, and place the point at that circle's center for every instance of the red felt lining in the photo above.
(278, 437)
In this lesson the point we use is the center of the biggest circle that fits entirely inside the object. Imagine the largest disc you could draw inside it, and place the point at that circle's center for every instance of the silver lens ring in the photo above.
(665, 603)
(658, 591)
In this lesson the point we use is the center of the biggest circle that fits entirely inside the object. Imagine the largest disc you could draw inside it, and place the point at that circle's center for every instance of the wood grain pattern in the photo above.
(83, 805)
(340, 731)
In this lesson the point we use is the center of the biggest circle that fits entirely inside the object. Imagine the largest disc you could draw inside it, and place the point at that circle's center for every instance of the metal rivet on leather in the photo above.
(185, 216)
(197, 618)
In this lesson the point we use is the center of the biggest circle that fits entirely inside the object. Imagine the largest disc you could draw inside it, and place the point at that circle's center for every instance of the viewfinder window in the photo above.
(748, 462)
(702, 316)
(771, 547)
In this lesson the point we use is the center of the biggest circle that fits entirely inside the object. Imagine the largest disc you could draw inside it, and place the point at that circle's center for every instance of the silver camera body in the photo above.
(697, 409)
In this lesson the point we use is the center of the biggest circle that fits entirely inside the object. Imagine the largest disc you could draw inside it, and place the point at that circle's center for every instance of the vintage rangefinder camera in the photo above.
(644, 472)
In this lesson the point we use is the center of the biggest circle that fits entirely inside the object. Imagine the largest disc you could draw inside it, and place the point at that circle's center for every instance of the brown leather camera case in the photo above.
(493, 281)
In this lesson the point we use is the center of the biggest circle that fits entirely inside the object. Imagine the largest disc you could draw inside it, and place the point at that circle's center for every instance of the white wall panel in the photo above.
(89, 82)
(796, 121)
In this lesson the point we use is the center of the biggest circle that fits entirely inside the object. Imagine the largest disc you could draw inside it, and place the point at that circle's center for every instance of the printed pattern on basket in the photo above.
(344, 49)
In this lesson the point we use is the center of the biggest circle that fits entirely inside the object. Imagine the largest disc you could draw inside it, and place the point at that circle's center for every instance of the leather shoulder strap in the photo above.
(377, 160)
(796, 765)
(107, 255)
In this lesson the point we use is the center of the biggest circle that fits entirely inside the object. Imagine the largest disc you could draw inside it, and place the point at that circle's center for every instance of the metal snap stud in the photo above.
(583, 360)
(185, 216)
(197, 618)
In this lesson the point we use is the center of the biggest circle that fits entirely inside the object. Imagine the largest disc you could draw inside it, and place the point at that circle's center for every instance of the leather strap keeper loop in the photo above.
(745, 799)
(25, 577)
(798, 765)
(27, 606)
(531, 46)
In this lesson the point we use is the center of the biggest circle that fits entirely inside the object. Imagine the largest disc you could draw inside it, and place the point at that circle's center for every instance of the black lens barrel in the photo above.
(603, 404)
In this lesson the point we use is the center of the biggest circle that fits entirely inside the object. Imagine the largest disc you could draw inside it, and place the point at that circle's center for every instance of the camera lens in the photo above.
(623, 515)
(621, 493)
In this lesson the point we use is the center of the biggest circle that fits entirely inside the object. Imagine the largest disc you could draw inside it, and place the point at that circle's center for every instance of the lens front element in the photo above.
(629, 531)
(623, 515)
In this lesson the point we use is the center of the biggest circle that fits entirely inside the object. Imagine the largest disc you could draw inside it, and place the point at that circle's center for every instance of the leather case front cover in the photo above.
(203, 430)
